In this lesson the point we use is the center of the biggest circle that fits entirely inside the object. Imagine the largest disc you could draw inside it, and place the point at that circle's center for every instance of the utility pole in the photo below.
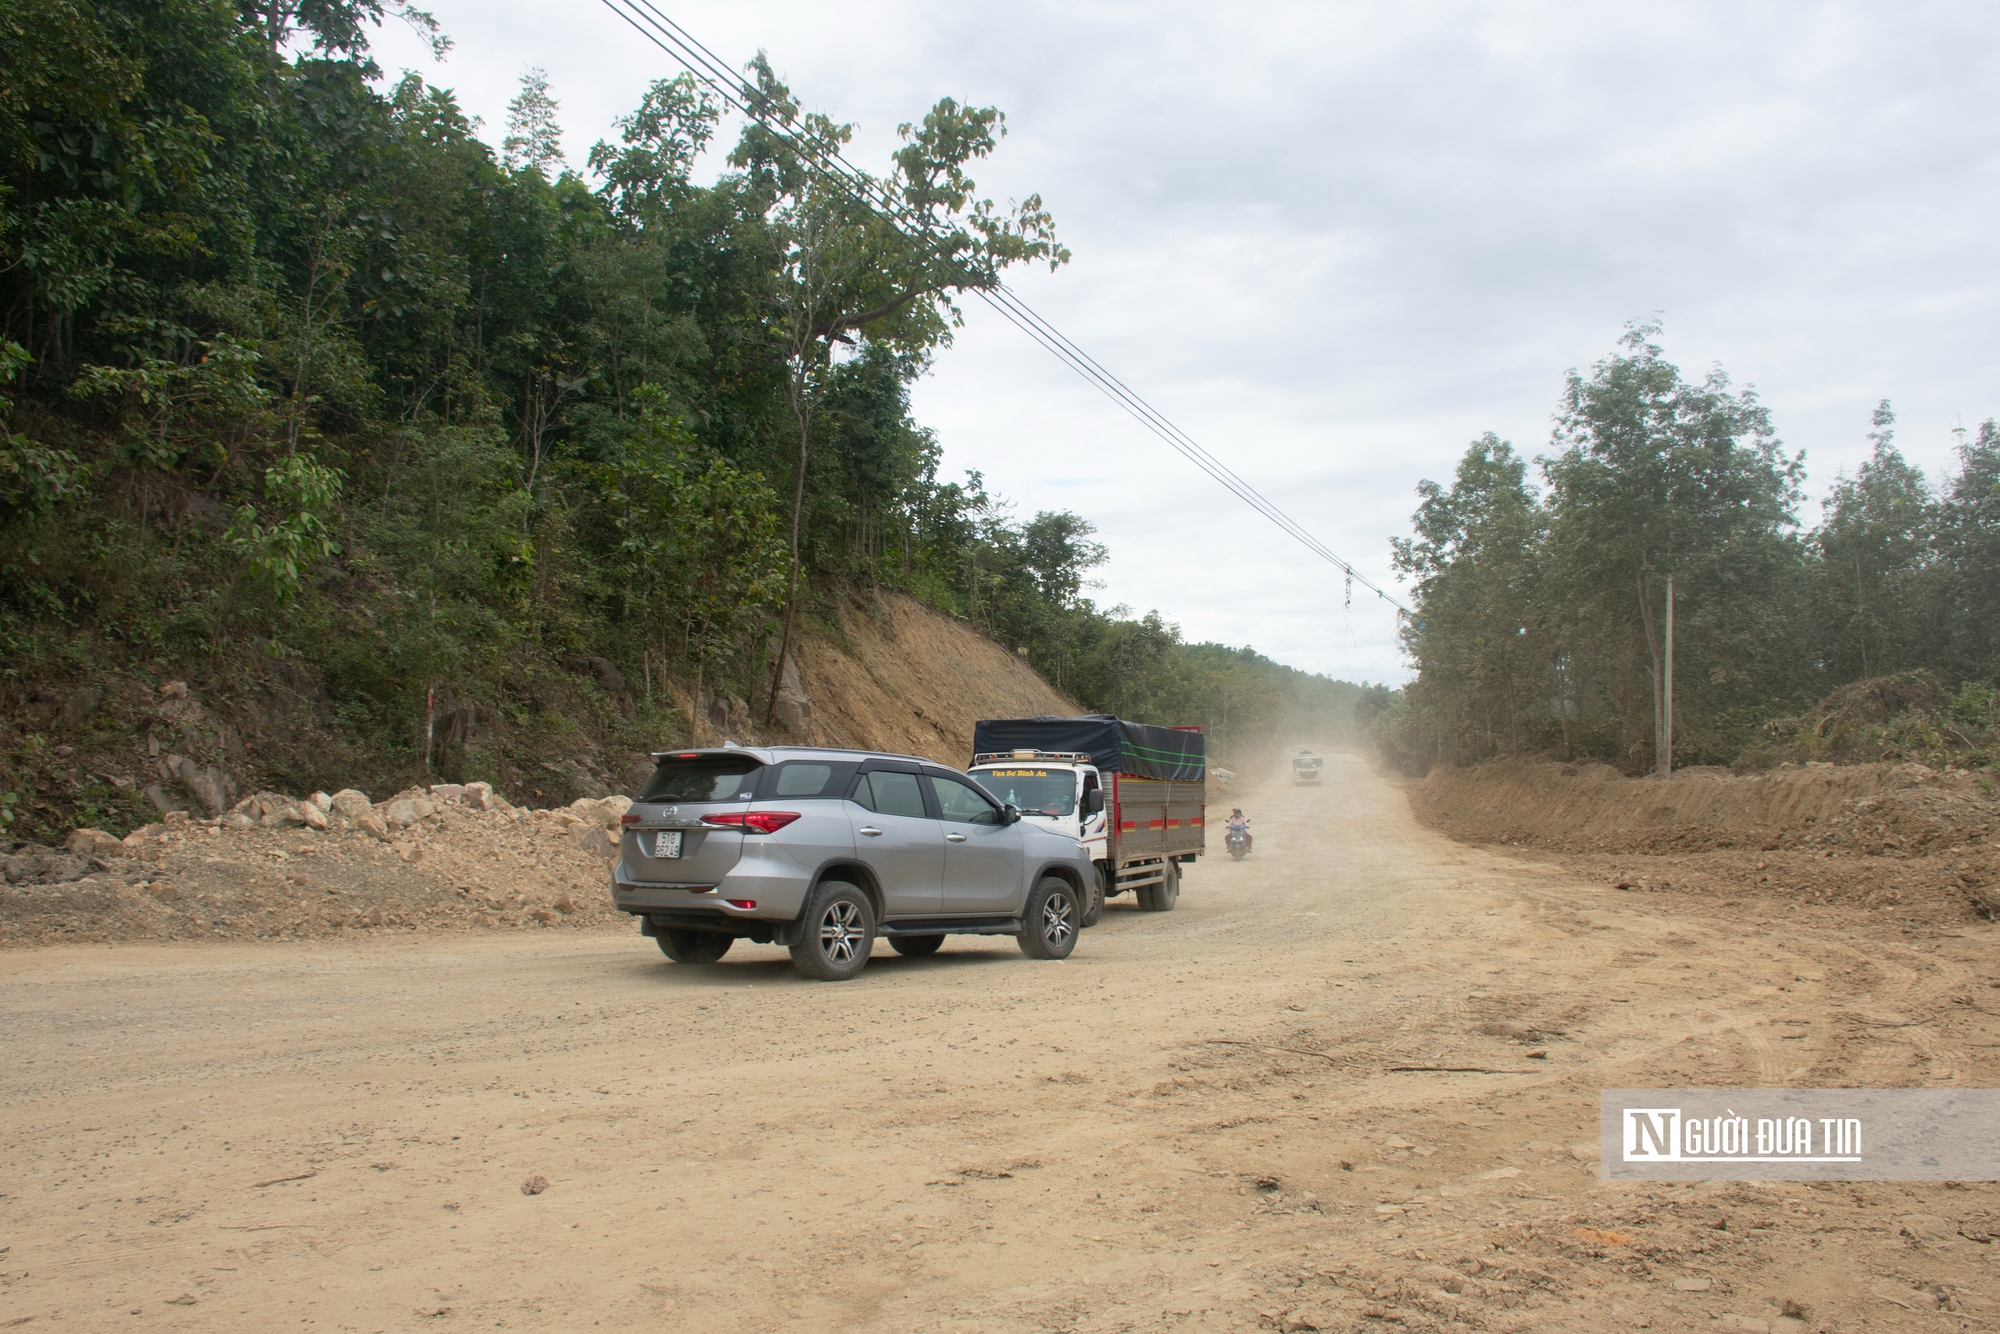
(1667, 732)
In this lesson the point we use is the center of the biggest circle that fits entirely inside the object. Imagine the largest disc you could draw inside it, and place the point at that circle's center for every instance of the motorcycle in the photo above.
(1238, 843)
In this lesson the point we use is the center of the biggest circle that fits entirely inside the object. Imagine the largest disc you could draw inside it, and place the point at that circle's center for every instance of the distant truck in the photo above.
(1134, 795)
(1305, 767)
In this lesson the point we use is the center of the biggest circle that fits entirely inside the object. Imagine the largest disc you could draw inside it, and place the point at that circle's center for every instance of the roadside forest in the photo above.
(414, 455)
(1540, 622)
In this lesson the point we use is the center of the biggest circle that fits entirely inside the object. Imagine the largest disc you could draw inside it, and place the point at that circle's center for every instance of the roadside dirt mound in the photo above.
(451, 867)
(1879, 834)
(905, 678)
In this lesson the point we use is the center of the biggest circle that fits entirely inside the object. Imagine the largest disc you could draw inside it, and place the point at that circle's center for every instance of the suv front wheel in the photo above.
(1050, 920)
(840, 931)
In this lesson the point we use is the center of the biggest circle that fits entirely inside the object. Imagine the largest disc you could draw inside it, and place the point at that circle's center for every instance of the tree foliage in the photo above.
(1539, 619)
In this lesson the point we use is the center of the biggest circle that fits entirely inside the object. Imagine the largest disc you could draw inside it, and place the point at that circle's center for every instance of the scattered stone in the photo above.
(368, 822)
(535, 1185)
(142, 836)
(604, 813)
(406, 809)
(447, 791)
(321, 801)
(349, 803)
(212, 787)
(314, 817)
(565, 905)
(238, 820)
(174, 690)
(93, 843)
(482, 797)
(594, 842)
(1693, 1284)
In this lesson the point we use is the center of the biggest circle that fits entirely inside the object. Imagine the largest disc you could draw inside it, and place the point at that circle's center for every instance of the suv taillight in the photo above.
(752, 822)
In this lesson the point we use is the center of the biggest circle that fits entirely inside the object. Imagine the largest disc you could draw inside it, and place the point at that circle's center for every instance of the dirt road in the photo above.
(1193, 1124)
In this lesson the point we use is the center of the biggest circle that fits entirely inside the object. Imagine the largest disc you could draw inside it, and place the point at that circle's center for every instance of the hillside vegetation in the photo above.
(371, 454)
(1541, 614)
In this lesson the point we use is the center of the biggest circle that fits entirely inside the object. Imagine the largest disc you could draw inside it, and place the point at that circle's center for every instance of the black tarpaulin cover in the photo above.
(1112, 743)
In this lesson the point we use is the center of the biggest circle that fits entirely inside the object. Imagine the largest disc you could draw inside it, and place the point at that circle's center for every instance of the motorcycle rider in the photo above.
(1240, 824)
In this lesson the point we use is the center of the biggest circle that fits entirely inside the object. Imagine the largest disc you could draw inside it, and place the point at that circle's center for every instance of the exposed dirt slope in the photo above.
(903, 678)
(1889, 836)
(908, 679)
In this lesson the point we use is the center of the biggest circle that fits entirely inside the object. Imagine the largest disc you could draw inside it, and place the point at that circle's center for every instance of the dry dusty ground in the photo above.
(1193, 1124)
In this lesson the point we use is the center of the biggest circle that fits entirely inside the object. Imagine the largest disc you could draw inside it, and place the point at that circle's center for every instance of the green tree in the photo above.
(534, 135)
(1658, 478)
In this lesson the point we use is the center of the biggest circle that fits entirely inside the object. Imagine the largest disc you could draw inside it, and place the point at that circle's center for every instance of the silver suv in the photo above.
(823, 850)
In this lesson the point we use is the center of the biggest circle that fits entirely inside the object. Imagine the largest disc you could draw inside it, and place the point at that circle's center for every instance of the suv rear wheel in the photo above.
(840, 931)
(1050, 920)
(694, 946)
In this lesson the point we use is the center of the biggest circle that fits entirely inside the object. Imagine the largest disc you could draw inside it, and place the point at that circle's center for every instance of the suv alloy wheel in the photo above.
(840, 932)
(1050, 920)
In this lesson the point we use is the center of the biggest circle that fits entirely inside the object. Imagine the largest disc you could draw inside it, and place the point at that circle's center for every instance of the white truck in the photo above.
(1134, 795)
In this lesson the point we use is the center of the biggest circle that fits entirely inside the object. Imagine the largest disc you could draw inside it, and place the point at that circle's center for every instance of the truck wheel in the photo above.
(1163, 896)
(1095, 912)
(1050, 920)
(915, 947)
(840, 931)
(694, 946)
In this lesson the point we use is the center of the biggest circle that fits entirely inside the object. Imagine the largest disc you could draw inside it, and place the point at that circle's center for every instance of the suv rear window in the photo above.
(700, 778)
(810, 778)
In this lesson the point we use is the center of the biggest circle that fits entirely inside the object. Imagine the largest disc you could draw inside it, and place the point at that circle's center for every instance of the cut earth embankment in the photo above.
(897, 676)
(1901, 838)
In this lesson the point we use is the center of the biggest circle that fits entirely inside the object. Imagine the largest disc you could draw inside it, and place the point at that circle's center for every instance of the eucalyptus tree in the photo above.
(1660, 477)
(1475, 567)
(1879, 563)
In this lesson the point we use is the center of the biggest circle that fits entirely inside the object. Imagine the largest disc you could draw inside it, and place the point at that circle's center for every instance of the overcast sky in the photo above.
(1335, 242)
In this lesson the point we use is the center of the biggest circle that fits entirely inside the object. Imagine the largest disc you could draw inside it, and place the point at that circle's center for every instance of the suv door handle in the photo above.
(871, 831)
(954, 838)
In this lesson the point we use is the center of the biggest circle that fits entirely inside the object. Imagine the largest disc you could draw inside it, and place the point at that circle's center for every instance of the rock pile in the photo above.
(449, 856)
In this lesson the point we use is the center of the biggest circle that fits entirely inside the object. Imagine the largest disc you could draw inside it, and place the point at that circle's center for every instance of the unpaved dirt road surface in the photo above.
(1196, 1123)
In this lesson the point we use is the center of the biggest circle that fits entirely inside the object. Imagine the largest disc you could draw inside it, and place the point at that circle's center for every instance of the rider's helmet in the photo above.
(1235, 811)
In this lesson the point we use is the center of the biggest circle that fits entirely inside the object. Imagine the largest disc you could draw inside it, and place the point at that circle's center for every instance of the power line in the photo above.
(688, 51)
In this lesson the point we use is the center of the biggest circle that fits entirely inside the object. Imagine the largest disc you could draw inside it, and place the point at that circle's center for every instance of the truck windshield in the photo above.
(1036, 791)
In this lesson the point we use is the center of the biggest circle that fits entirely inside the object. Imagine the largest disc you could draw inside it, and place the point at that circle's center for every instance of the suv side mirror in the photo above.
(1093, 801)
(1012, 815)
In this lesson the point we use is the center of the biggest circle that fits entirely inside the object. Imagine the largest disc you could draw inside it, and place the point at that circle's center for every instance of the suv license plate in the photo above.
(667, 844)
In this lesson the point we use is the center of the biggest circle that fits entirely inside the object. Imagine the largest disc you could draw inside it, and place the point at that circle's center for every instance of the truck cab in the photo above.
(1060, 789)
